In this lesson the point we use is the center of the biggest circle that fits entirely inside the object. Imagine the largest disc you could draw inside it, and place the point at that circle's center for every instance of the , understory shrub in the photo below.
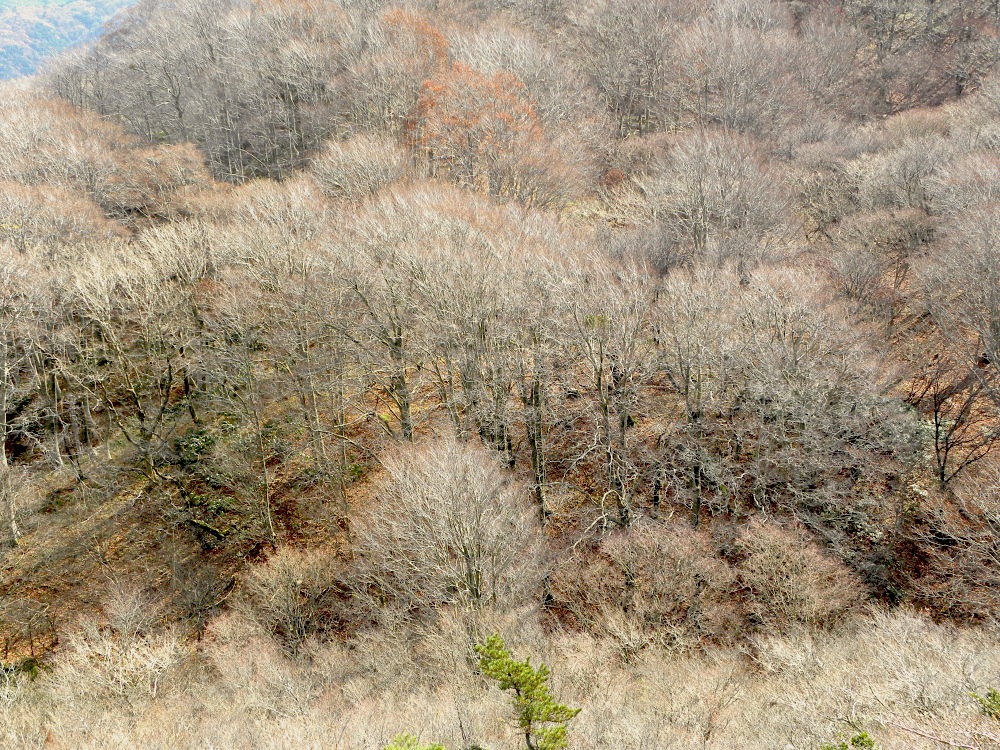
(651, 584)
(788, 581)
(294, 595)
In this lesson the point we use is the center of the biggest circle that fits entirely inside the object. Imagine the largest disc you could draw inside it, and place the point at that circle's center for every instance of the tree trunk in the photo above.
(533, 406)
(398, 386)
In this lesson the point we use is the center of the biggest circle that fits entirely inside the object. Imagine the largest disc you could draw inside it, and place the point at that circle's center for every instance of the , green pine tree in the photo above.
(862, 741)
(989, 705)
(539, 717)
(409, 742)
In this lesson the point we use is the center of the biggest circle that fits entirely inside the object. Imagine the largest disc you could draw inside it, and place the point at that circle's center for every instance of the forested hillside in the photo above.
(33, 30)
(659, 338)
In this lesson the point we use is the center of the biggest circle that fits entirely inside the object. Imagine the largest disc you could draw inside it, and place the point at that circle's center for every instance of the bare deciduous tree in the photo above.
(610, 311)
(719, 195)
(358, 168)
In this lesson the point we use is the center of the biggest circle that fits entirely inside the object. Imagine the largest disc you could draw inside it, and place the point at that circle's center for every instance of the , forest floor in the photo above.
(341, 342)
